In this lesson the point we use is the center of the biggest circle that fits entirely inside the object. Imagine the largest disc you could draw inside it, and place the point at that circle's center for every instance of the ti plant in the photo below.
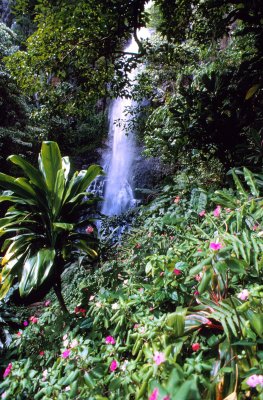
(45, 223)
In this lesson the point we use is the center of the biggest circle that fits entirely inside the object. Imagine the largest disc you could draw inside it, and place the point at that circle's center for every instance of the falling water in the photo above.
(5, 13)
(119, 157)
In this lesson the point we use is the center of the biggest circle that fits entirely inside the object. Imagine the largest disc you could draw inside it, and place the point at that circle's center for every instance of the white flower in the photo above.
(65, 343)
(65, 337)
(115, 306)
(45, 374)
(91, 298)
(124, 365)
(74, 343)
(67, 388)
(98, 304)
(3, 395)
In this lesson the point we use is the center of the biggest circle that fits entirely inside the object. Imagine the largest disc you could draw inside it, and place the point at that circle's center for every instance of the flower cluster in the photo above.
(255, 380)
(7, 370)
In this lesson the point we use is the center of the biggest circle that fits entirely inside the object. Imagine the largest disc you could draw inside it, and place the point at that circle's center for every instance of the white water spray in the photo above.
(118, 159)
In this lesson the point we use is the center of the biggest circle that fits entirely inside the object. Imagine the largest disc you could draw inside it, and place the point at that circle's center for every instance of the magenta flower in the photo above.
(196, 346)
(243, 295)
(89, 229)
(196, 293)
(202, 213)
(158, 357)
(109, 340)
(66, 354)
(215, 246)
(47, 303)
(113, 366)
(255, 380)
(25, 323)
(217, 211)
(7, 370)
(177, 271)
(154, 395)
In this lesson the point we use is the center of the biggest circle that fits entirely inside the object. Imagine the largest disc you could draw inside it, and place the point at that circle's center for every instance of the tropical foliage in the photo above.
(46, 223)
(176, 311)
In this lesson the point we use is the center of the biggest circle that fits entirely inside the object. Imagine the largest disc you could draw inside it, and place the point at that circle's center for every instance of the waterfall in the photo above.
(118, 158)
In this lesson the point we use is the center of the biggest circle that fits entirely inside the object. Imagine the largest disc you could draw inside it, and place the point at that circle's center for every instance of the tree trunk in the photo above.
(57, 289)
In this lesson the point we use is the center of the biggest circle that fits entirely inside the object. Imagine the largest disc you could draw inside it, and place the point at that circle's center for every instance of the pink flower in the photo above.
(89, 229)
(228, 210)
(215, 246)
(25, 323)
(158, 357)
(66, 354)
(167, 398)
(198, 278)
(177, 271)
(113, 366)
(196, 293)
(7, 370)
(254, 228)
(196, 346)
(136, 326)
(202, 213)
(3, 396)
(199, 250)
(255, 380)
(154, 395)
(19, 333)
(33, 319)
(177, 199)
(109, 340)
(74, 343)
(41, 353)
(243, 295)
(47, 303)
(138, 245)
(217, 211)
(162, 273)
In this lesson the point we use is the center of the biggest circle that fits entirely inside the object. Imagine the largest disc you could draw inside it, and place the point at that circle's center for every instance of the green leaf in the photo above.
(36, 270)
(251, 182)
(32, 173)
(50, 162)
(250, 93)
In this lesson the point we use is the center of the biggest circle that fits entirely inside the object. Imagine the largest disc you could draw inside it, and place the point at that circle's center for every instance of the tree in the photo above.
(46, 223)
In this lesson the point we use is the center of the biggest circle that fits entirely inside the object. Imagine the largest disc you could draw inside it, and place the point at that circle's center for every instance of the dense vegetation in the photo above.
(173, 309)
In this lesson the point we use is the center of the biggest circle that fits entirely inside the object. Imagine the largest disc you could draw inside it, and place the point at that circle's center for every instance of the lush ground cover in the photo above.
(175, 312)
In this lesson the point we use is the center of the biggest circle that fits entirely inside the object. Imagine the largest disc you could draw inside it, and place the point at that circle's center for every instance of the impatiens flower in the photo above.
(66, 354)
(45, 374)
(41, 353)
(158, 357)
(124, 365)
(74, 343)
(33, 319)
(65, 337)
(142, 329)
(177, 199)
(243, 295)
(19, 333)
(202, 213)
(98, 304)
(167, 398)
(154, 395)
(113, 366)
(141, 289)
(109, 340)
(217, 211)
(89, 229)
(7, 370)
(196, 293)
(196, 346)
(47, 303)
(255, 380)
(25, 323)
(215, 246)
(177, 271)
(198, 278)
(67, 388)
